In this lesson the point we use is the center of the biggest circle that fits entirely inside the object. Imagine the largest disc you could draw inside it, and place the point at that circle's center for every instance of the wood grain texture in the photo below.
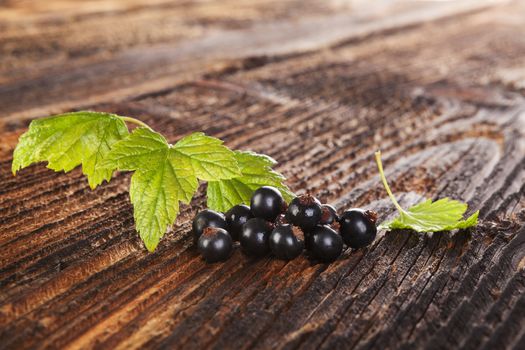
(319, 86)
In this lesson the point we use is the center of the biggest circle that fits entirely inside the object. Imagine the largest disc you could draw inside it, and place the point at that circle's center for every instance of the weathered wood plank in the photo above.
(71, 82)
(435, 95)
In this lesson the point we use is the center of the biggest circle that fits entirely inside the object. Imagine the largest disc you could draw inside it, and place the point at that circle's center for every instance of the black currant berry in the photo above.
(325, 244)
(267, 203)
(304, 211)
(328, 215)
(236, 217)
(207, 218)
(254, 237)
(284, 242)
(215, 244)
(358, 227)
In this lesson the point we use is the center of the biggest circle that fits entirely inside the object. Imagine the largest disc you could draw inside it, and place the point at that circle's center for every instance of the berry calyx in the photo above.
(358, 227)
(207, 218)
(371, 215)
(328, 215)
(267, 203)
(215, 244)
(325, 244)
(304, 211)
(286, 244)
(281, 220)
(236, 217)
(254, 237)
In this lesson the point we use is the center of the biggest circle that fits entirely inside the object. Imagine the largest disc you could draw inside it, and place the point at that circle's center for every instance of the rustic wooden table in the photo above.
(318, 85)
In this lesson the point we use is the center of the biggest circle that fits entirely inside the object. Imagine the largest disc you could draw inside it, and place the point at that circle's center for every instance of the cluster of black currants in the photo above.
(269, 225)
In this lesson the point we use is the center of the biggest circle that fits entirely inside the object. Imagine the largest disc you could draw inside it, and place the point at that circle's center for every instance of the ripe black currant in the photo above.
(329, 215)
(215, 244)
(284, 242)
(324, 243)
(207, 218)
(254, 237)
(358, 227)
(267, 203)
(304, 211)
(236, 217)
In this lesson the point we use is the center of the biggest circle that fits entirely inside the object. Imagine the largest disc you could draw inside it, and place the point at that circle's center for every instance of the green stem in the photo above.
(135, 121)
(385, 184)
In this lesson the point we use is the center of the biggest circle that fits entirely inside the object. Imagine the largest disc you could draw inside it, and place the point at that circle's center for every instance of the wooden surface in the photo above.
(318, 85)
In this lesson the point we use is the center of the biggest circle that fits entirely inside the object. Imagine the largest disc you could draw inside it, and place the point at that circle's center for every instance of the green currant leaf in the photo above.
(256, 171)
(68, 140)
(162, 178)
(209, 158)
(141, 150)
(442, 215)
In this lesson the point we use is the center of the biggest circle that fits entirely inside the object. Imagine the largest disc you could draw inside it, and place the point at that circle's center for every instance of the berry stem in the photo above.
(135, 121)
(385, 184)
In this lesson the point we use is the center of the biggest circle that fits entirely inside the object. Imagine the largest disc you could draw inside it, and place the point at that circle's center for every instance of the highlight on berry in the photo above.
(270, 226)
